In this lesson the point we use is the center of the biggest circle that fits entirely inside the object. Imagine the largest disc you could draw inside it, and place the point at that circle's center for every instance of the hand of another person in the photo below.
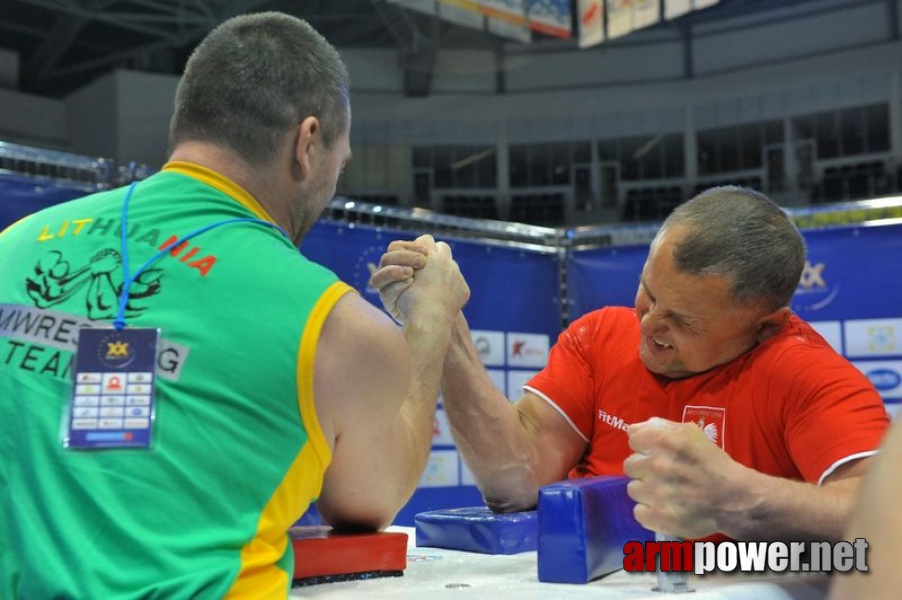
(439, 290)
(396, 270)
(683, 483)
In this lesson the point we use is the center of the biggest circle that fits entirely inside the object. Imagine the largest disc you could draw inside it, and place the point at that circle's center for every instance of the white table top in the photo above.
(438, 574)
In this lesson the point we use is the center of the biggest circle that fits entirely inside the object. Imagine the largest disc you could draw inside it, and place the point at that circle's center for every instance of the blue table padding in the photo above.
(477, 529)
(583, 525)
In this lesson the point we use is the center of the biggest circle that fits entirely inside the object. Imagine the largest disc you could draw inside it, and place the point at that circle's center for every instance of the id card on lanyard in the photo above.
(114, 385)
(113, 394)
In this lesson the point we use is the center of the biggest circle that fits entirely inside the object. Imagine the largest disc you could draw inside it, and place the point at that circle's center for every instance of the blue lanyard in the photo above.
(129, 278)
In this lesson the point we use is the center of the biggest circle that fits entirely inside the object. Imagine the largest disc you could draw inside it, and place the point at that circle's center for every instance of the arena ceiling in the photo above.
(63, 44)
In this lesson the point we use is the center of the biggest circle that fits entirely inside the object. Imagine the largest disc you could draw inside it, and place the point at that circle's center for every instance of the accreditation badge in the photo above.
(114, 388)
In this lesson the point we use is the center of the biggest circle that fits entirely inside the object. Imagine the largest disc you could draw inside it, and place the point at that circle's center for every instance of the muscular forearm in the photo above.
(487, 428)
(428, 336)
(773, 508)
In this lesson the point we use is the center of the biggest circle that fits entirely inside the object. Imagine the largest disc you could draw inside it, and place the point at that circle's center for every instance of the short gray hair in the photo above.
(740, 233)
(252, 79)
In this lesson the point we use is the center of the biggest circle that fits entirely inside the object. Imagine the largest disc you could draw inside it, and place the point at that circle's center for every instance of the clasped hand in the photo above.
(420, 276)
(682, 482)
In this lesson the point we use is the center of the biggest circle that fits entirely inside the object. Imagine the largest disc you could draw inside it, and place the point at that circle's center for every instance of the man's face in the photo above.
(324, 177)
(688, 323)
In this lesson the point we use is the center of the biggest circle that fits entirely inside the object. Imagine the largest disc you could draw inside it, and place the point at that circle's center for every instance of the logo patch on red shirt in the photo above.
(711, 420)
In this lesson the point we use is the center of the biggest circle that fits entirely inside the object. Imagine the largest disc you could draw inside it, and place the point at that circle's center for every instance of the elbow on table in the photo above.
(375, 516)
(512, 503)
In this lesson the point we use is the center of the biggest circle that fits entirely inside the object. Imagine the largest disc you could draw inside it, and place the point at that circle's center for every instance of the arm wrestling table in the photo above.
(439, 574)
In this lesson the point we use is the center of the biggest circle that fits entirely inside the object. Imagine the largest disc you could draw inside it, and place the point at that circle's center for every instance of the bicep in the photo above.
(554, 440)
(361, 376)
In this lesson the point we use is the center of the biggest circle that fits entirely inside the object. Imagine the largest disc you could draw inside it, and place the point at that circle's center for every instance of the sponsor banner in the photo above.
(473, 13)
(470, 5)
(509, 11)
(441, 431)
(817, 289)
(886, 375)
(893, 409)
(676, 8)
(591, 22)
(873, 337)
(518, 33)
(464, 14)
(551, 17)
(516, 379)
(490, 345)
(620, 17)
(830, 331)
(849, 274)
(646, 13)
(527, 349)
(442, 469)
(833, 216)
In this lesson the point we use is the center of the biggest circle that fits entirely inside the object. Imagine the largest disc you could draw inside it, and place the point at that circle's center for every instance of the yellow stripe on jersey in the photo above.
(223, 184)
(306, 355)
(258, 576)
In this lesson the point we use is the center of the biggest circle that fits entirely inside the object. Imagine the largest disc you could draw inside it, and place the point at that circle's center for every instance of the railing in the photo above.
(64, 168)
(89, 173)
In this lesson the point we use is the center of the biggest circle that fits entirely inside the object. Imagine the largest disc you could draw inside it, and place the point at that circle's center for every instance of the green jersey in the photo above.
(237, 453)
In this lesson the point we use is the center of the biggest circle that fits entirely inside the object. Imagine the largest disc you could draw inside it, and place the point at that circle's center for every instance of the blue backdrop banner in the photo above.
(20, 196)
(603, 277)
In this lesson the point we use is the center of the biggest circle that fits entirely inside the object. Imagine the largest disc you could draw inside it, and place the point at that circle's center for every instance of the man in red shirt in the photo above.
(730, 414)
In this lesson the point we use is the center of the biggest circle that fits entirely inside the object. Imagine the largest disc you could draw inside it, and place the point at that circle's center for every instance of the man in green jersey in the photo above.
(272, 385)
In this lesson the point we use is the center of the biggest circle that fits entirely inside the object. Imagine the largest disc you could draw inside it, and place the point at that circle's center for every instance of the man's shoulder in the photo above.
(609, 316)
(356, 318)
(356, 333)
(603, 327)
(798, 350)
(799, 335)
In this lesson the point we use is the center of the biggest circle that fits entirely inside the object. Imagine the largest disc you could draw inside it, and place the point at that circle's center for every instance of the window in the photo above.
(544, 165)
(658, 156)
(457, 166)
(846, 132)
(476, 207)
(877, 127)
(538, 209)
(737, 147)
(826, 133)
(852, 123)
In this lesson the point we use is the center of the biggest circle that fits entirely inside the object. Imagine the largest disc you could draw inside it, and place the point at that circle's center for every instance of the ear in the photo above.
(772, 324)
(306, 144)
